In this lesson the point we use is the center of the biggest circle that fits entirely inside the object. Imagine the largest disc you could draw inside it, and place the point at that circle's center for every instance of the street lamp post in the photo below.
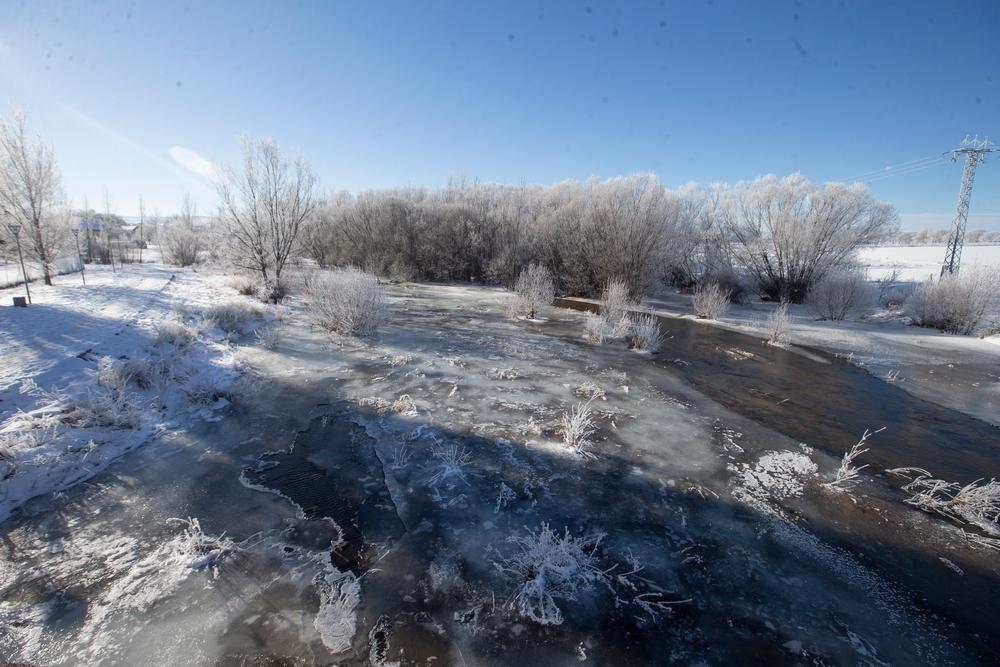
(16, 231)
(83, 268)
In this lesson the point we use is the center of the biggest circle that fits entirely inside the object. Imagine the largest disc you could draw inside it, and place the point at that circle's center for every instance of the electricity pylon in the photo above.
(975, 151)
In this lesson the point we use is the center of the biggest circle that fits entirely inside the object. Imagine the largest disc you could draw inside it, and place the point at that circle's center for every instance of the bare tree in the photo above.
(264, 205)
(789, 233)
(29, 192)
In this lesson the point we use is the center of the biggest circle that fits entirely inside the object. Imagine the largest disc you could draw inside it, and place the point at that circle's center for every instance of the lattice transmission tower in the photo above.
(975, 152)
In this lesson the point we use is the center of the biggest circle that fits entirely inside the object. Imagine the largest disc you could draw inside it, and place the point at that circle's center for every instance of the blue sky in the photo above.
(378, 94)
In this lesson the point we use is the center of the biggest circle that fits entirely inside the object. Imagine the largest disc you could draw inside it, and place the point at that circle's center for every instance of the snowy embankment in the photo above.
(90, 372)
(956, 371)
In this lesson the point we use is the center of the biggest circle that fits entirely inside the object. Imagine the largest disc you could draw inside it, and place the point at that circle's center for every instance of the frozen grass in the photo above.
(452, 460)
(505, 495)
(233, 316)
(710, 301)
(577, 427)
(111, 405)
(956, 303)
(548, 568)
(975, 504)
(177, 334)
(847, 473)
(266, 336)
(588, 391)
(404, 405)
(349, 302)
(645, 334)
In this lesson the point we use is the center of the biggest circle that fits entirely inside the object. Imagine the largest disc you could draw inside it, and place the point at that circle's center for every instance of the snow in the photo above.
(919, 263)
(87, 375)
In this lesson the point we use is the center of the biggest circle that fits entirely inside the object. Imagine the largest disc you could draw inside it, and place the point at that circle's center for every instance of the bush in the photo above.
(956, 303)
(710, 301)
(533, 291)
(180, 245)
(615, 302)
(548, 568)
(777, 325)
(348, 302)
(645, 334)
(577, 427)
(232, 316)
(838, 294)
(730, 281)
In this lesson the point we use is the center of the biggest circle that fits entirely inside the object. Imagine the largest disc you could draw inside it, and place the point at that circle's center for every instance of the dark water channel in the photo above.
(824, 401)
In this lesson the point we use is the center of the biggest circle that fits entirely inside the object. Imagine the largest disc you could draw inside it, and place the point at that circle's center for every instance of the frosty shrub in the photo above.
(612, 321)
(577, 427)
(547, 568)
(645, 334)
(839, 293)
(777, 325)
(533, 291)
(976, 504)
(710, 301)
(615, 303)
(232, 316)
(180, 244)
(595, 329)
(956, 303)
(348, 302)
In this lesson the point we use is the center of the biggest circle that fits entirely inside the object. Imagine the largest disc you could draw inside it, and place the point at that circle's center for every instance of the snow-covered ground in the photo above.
(90, 372)
(918, 263)
(409, 499)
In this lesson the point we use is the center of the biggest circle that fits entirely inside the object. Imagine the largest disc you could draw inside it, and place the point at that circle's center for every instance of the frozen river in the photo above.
(397, 501)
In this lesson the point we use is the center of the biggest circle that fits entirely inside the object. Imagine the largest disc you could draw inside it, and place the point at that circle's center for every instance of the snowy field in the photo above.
(411, 499)
(918, 263)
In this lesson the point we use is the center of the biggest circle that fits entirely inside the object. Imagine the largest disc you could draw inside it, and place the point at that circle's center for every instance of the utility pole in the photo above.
(975, 152)
(16, 231)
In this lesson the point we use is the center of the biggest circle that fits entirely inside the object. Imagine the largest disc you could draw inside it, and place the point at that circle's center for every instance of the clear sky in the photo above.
(139, 97)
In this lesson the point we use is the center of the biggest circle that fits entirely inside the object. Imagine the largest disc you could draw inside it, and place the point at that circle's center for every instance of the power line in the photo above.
(904, 171)
(892, 169)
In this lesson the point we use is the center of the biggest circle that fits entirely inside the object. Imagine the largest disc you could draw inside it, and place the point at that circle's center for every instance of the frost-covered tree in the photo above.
(30, 193)
(789, 233)
(264, 205)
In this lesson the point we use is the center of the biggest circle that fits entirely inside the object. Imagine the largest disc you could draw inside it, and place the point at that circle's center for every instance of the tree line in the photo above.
(775, 236)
